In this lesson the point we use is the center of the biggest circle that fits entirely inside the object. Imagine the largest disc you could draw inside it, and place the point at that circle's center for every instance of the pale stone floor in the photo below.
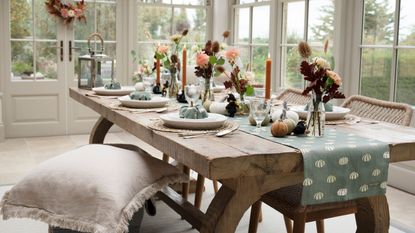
(17, 156)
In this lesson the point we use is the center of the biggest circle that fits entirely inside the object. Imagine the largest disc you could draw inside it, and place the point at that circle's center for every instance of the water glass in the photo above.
(148, 83)
(192, 94)
(259, 109)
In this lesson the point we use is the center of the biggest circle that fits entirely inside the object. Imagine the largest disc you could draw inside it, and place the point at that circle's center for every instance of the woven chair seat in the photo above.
(287, 200)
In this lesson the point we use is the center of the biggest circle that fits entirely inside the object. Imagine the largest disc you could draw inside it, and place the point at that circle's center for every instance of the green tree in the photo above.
(378, 22)
(324, 29)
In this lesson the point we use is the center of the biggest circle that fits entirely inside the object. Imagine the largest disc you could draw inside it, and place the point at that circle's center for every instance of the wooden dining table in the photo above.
(247, 166)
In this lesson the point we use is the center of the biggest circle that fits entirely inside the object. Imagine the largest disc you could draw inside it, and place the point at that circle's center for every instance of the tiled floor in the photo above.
(17, 156)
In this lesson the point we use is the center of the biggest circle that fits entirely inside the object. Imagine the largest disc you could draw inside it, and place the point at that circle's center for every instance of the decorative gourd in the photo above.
(300, 128)
(207, 104)
(197, 112)
(140, 95)
(139, 86)
(218, 107)
(290, 124)
(279, 129)
(288, 114)
(113, 85)
(265, 122)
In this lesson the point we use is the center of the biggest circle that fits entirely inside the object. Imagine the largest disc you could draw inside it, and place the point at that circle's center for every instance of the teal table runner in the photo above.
(337, 167)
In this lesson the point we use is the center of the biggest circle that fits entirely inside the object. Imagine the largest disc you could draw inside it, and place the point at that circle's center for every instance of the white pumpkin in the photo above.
(276, 114)
(139, 86)
(218, 107)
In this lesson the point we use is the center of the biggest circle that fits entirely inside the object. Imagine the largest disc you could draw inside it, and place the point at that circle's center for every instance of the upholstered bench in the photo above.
(95, 188)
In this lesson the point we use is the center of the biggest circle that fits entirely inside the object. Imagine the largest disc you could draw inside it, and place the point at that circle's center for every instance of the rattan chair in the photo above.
(294, 96)
(288, 200)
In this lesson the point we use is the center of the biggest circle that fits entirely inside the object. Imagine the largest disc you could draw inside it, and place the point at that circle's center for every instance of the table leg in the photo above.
(185, 186)
(100, 130)
(200, 183)
(372, 215)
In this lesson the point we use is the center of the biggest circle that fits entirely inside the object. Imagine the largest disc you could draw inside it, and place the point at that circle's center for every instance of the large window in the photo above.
(101, 18)
(251, 34)
(159, 19)
(388, 50)
(33, 41)
(304, 20)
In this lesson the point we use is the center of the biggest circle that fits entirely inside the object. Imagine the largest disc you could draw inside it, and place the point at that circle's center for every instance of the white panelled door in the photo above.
(42, 65)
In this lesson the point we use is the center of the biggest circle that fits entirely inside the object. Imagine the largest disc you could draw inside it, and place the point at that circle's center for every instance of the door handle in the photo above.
(72, 48)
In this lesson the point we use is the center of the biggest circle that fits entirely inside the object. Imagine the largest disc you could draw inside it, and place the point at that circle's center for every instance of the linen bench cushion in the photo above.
(95, 188)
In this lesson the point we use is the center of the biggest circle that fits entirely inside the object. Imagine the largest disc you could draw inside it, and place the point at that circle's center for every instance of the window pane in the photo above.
(245, 56)
(45, 26)
(46, 61)
(154, 20)
(192, 19)
(22, 59)
(320, 20)
(106, 20)
(290, 63)
(83, 30)
(293, 22)
(189, 2)
(258, 67)
(407, 23)
(21, 19)
(246, 1)
(376, 73)
(242, 19)
(319, 52)
(406, 76)
(378, 22)
(260, 30)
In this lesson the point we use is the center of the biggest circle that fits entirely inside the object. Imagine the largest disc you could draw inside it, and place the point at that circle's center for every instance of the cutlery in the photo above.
(102, 97)
(198, 134)
(225, 131)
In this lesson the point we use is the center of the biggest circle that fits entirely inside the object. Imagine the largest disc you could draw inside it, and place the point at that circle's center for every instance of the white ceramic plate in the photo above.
(155, 102)
(213, 121)
(338, 113)
(123, 91)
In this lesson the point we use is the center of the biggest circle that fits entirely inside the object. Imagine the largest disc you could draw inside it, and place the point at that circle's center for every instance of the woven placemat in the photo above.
(159, 126)
(167, 108)
(348, 119)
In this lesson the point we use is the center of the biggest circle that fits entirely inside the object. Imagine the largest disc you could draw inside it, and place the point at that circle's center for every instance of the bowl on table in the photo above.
(338, 113)
(125, 90)
(155, 102)
(213, 121)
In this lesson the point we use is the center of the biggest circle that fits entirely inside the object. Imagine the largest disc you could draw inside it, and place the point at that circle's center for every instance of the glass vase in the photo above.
(207, 92)
(173, 88)
(316, 117)
(243, 107)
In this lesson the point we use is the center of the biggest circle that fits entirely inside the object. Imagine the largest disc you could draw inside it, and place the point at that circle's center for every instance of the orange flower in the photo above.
(335, 77)
(202, 59)
(162, 49)
(232, 53)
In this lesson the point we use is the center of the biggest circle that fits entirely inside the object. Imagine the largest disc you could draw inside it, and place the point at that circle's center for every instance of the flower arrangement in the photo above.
(162, 52)
(241, 82)
(67, 11)
(322, 80)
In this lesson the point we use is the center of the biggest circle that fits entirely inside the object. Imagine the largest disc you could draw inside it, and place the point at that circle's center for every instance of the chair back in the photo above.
(391, 112)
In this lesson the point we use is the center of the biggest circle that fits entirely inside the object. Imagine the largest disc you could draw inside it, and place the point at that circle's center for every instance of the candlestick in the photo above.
(268, 79)
(184, 60)
(158, 71)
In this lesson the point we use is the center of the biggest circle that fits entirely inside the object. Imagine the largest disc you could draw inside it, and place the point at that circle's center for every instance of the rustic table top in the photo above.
(239, 154)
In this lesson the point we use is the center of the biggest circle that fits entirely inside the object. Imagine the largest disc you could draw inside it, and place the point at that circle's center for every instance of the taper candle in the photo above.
(158, 71)
(184, 62)
(268, 79)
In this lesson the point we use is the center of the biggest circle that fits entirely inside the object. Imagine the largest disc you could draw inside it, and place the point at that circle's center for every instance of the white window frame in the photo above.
(234, 24)
(358, 46)
(132, 28)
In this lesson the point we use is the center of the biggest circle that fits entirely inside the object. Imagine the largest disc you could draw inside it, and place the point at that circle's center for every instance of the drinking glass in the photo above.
(149, 83)
(259, 109)
(192, 94)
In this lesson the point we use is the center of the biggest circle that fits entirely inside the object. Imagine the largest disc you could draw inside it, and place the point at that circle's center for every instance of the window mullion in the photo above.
(307, 4)
(251, 49)
(34, 40)
(394, 65)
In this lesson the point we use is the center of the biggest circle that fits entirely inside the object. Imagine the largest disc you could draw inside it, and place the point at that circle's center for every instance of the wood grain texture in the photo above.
(372, 215)
(100, 130)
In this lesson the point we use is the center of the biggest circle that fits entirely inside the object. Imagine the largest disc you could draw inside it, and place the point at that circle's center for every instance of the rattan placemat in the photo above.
(159, 126)
(167, 108)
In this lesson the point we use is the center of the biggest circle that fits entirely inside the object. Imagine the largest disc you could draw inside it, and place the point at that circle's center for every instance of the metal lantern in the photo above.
(95, 69)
